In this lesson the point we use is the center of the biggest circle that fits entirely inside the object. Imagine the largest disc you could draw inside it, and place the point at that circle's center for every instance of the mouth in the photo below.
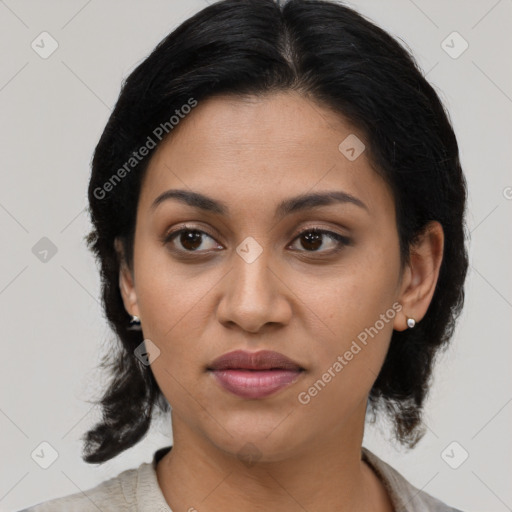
(254, 374)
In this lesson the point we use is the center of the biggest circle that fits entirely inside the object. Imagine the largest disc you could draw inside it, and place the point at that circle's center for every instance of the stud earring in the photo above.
(134, 323)
(411, 322)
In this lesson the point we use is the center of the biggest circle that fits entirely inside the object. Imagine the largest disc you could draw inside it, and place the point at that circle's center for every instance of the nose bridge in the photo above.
(252, 298)
(252, 277)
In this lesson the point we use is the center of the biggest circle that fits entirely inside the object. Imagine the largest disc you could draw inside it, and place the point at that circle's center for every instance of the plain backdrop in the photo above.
(53, 111)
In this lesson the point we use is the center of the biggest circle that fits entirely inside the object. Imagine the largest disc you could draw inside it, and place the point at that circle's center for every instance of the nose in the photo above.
(255, 295)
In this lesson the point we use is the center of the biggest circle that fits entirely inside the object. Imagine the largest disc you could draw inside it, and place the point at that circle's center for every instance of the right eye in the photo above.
(190, 240)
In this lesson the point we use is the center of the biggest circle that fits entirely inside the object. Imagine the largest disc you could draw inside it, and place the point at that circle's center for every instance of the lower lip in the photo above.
(255, 383)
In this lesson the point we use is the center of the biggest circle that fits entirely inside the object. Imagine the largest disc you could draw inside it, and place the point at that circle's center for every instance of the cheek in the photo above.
(358, 307)
(163, 296)
(166, 289)
(347, 362)
(169, 303)
(174, 300)
(355, 294)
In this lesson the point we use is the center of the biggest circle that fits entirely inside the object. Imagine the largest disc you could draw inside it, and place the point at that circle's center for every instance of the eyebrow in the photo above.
(286, 207)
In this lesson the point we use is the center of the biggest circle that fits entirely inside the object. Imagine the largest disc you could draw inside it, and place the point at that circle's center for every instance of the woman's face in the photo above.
(248, 281)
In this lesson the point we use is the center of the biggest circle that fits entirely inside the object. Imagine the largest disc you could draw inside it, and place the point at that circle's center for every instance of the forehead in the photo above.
(246, 126)
(263, 149)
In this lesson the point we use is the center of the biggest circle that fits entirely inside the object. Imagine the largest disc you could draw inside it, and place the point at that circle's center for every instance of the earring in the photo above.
(411, 322)
(134, 323)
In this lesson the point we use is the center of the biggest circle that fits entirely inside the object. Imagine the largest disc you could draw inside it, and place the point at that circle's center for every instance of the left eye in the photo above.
(312, 239)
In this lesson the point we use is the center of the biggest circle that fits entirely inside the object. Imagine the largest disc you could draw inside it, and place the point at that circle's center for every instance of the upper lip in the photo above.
(262, 360)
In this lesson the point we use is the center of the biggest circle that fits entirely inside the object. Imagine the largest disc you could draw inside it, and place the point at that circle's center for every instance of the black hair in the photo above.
(336, 57)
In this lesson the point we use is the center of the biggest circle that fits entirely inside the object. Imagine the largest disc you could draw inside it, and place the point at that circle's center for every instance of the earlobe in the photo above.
(126, 282)
(420, 277)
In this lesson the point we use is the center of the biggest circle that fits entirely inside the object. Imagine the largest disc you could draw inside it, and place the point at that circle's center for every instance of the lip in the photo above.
(254, 374)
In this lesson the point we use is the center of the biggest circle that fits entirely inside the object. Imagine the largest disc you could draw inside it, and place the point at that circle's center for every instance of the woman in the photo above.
(278, 211)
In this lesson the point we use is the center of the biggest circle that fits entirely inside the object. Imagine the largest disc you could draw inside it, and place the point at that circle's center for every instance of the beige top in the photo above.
(137, 490)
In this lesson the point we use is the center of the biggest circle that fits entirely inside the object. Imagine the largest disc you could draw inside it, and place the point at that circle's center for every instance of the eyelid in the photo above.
(185, 227)
(320, 229)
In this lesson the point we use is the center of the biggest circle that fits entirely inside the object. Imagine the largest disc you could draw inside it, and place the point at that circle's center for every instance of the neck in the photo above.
(327, 474)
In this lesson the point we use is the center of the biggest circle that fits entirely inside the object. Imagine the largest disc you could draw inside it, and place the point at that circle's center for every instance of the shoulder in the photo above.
(404, 495)
(115, 495)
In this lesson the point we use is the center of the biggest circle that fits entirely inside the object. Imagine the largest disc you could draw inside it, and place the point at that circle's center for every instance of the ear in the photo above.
(126, 281)
(420, 275)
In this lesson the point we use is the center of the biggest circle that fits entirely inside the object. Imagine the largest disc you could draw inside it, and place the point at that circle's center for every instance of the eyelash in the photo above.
(340, 239)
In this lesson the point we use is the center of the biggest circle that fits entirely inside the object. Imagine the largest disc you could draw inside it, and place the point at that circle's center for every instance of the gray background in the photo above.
(53, 332)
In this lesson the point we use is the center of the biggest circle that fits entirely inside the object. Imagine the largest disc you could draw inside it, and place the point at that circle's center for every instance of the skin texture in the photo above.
(307, 303)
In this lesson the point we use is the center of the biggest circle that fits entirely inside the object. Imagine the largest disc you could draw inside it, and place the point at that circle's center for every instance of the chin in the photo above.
(264, 440)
